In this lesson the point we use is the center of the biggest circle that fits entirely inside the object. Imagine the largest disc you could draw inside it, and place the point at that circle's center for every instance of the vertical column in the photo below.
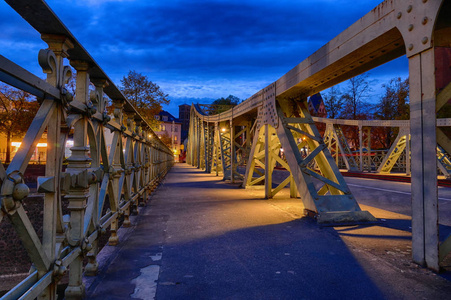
(116, 172)
(216, 143)
(425, 240)
(408, 154)
(78, 194)
(54, 155)
(198, 136)
(268, 163)
(368, 148)
(128, 159)
(361, 147)
(232, 151)
(91, 267)
(293, 189)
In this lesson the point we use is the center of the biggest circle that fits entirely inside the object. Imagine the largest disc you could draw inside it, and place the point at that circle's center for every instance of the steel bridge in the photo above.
(277, 117)
(101, 184)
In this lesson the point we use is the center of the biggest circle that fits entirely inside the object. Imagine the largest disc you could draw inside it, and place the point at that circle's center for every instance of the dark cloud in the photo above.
(197, 47)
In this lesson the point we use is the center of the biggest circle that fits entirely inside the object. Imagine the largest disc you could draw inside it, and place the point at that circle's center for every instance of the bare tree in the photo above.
(334, 102)
(356, 106)
(393, 105)
(358, 91)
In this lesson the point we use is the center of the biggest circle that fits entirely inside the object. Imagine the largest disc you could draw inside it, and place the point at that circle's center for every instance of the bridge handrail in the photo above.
(121, 175)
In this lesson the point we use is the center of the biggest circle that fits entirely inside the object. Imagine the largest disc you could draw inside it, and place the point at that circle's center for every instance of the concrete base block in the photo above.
(345, 218)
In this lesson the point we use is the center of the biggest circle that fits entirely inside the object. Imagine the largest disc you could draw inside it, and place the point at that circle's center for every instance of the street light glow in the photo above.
(39, 145)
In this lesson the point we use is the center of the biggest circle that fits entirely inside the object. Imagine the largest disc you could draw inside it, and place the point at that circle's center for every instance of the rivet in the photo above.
(410, 27)
(409, 8)
(425, 20)
(425, 40)
(399, 15)
(424, 1)
(410, 46)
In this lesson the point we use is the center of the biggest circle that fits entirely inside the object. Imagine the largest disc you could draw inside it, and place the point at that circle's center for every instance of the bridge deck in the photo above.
(202, 238)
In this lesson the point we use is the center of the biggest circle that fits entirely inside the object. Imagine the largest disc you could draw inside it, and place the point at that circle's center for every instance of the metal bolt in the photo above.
(410, 28)
(399, 15)
(410, 47)
(424, 1)
(425, 40)
(425, 20)
(409, 8)
(20, 191)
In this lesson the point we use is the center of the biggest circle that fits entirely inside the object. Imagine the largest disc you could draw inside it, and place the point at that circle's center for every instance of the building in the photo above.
(316, 106)
(184, 114)
(170, 132)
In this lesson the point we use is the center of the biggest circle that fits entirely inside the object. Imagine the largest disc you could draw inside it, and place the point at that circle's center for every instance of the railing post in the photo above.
(59, 45)
(92, 266)
(116, 169)
(361, 146)
(78, 194)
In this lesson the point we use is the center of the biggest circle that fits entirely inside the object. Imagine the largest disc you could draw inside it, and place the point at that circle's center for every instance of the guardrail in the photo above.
(115, 162)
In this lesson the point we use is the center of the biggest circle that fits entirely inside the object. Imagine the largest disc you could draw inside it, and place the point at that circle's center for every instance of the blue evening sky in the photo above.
(196, 51)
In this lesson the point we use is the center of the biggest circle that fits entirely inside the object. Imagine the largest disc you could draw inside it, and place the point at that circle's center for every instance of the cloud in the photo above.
(193, 48)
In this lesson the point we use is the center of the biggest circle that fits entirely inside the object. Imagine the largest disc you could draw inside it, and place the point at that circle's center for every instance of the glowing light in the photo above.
(223, 129)
(281, 149)
(39, 145)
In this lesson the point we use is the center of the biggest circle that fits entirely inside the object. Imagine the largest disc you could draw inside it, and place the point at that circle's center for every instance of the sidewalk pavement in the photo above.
(203, 238)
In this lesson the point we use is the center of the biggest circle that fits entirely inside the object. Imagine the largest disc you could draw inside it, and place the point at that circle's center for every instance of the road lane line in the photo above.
(391, 191)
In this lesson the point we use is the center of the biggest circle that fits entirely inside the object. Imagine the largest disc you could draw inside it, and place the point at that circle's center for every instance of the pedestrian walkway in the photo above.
(203, 238)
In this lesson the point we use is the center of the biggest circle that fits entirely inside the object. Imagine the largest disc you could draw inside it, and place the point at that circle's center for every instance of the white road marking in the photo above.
(146, 283)
(156, 256)
(390, 191)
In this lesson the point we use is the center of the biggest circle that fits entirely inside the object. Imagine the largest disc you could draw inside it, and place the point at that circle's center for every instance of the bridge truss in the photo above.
(277, 118)
(105, 179)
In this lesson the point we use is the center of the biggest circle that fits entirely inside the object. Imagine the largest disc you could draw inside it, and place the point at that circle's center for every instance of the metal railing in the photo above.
(115, 162)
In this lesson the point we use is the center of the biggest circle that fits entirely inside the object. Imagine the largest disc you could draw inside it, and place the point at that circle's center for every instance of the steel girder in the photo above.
(400, 145)
(415, 28)
(337, 144)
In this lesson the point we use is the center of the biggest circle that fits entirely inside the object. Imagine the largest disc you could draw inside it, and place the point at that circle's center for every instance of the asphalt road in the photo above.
(203, 238)
(388, 195)
(395, 196)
